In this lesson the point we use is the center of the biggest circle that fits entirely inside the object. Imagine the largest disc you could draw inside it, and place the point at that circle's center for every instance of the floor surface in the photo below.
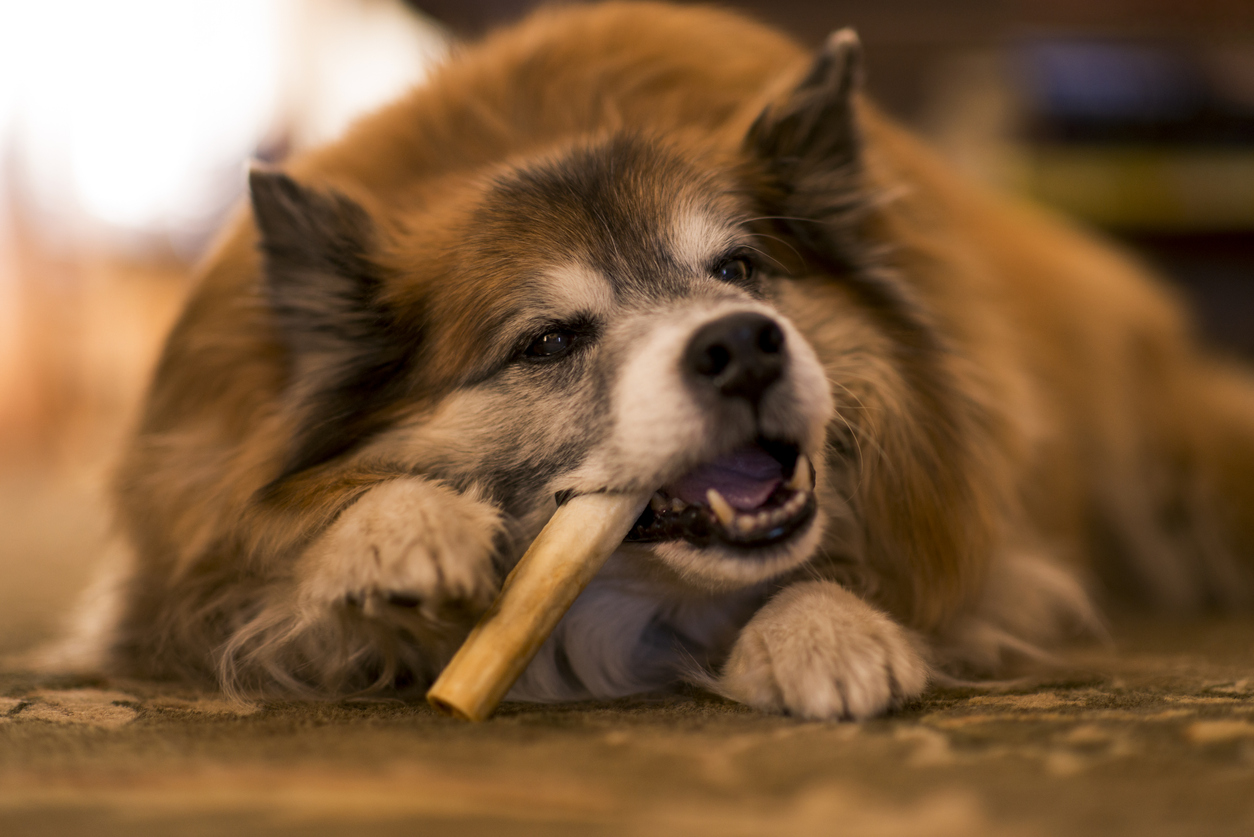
(1153, 736)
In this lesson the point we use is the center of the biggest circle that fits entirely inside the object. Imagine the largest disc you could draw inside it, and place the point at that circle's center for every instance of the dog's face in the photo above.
(649, 358)
(607, 326)
(598, 318)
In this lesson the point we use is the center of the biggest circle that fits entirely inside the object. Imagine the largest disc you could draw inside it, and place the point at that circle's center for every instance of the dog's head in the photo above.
(601, 317)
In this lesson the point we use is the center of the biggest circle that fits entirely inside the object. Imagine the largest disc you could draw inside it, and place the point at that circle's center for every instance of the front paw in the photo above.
(818, 651)
(407, 545)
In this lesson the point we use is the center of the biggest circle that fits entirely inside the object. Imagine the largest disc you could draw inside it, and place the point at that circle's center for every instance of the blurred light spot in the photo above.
(130, 106)
(139, 114)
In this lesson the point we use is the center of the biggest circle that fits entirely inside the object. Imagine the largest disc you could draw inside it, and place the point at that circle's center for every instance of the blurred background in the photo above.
(126, 127)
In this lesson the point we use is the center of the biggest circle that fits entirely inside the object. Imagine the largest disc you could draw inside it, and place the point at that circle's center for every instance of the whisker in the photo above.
(779, 218)
(765, 255)
(782, 241)
(860, 433)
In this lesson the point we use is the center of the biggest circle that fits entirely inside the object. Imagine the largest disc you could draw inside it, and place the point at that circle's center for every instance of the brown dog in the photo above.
(895, 425)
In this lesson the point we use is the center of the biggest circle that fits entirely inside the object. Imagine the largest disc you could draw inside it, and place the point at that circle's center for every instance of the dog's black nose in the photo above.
(740, 355)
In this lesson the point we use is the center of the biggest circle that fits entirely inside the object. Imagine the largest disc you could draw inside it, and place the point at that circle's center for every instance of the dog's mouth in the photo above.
(757, 495)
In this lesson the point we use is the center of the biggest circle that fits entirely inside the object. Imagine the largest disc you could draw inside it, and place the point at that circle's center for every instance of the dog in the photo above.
(898, 429)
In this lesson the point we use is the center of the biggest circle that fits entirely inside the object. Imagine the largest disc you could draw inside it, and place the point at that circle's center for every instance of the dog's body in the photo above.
(646, 248)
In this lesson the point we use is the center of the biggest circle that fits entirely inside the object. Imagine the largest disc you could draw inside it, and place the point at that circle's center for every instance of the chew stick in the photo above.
(556, 567)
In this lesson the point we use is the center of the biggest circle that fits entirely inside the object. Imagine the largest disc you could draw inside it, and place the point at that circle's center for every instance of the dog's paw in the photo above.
(818, 651)
(407, 545)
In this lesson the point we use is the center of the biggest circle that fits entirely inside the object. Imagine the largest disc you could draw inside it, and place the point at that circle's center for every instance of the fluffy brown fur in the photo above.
(1019, 409)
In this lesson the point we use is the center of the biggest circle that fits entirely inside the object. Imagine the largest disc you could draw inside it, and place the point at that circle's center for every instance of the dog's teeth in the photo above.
(657, 503)
(801, 474)
(746, 523)
(678, 505)
(721, 508)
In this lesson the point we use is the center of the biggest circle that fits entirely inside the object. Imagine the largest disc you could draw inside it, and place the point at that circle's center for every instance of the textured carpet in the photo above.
(1154, 737)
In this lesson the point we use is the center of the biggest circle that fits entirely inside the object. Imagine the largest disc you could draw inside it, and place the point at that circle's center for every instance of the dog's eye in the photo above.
(551, 344)
(736, 271)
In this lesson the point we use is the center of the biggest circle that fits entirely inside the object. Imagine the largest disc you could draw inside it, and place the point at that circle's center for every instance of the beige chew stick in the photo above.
(569, 551)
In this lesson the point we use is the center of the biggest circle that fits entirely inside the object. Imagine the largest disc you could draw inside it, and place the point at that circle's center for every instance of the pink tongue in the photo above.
(745, 478)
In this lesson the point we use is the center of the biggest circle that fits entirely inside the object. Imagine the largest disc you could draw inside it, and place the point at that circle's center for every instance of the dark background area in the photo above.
(906, 39)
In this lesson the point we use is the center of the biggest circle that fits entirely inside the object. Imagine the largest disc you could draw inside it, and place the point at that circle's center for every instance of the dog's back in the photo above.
(1139, 439)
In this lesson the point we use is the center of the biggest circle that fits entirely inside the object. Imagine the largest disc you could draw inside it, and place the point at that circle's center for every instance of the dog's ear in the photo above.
(348, 353)
(813, 128)
(810, 144)
(319, 280)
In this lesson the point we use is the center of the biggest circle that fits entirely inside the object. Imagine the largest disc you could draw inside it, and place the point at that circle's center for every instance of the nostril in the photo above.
(771, 338)
(712, 361)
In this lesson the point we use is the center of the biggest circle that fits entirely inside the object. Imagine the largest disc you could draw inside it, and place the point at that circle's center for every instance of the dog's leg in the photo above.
(381, 598)
(818, 651)
(407, 545)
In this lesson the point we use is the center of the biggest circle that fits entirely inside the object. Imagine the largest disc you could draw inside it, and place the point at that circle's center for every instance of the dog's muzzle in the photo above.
(757, 495)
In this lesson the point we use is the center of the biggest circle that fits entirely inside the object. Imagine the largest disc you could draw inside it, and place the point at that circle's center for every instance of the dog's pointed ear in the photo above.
(319, 279)
(814, 127)
(809, 146)
(349, 354)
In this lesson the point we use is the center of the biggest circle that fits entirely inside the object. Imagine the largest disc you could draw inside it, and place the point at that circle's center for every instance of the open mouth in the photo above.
(758, 495)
